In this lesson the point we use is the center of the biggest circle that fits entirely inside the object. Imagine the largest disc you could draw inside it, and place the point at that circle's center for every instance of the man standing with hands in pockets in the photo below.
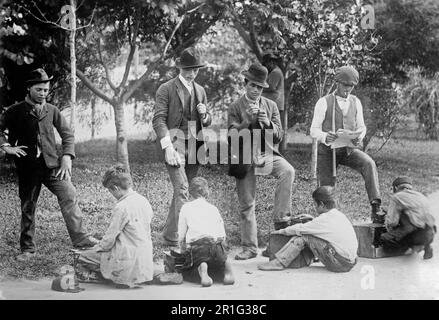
(342, 110)
(180, 113)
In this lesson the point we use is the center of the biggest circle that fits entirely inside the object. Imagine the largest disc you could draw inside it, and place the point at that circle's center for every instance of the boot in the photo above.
(378, 215)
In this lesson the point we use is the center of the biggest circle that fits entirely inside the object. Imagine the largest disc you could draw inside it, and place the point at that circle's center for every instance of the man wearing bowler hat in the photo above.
(31, 140)
(337, 111)
(180, 114)
(260, 116)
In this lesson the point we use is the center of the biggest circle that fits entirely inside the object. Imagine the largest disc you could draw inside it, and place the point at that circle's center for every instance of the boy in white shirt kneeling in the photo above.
(330, 237)
(202, 236)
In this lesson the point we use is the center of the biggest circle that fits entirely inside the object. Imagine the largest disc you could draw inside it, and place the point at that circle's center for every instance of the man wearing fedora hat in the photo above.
(260, 116)
(338, 111)
(31, 140)
(180, 114)
(409, 221)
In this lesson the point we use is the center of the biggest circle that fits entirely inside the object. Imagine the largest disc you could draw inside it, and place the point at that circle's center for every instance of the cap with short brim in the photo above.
(347, 75)
(402, 180)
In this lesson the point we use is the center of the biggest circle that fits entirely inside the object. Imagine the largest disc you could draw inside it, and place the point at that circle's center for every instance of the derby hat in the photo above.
(258, 74)
(189, 59)
(38, 76)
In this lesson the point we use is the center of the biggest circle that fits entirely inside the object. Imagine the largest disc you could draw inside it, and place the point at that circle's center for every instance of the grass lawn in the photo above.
(419, 159)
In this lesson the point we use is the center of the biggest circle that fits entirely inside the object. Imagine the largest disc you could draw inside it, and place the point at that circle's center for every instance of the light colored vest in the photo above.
(349, 121)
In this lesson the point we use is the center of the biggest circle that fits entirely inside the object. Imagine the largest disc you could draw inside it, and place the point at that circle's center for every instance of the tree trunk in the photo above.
(287, 91)
(314, 161)
(121, 135)
(72, 65)
(93, 117)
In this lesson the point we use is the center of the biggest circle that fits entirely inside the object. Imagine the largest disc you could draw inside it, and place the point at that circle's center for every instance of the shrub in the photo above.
(421, 95)
(383, 112)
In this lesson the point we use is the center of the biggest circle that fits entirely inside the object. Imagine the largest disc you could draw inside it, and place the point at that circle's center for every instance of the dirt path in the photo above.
(408, 277)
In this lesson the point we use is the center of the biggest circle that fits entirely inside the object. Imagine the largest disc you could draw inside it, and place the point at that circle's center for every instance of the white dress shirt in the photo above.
(188, 85)
(320, 112)
(198, 219)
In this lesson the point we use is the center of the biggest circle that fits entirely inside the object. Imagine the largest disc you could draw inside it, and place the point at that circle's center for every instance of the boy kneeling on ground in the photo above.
(124, 255)
(330, 237)
(201, 237)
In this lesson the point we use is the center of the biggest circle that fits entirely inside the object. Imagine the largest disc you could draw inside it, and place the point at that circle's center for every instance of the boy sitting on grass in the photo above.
(124, 255)
(330, 237)
(201, 237)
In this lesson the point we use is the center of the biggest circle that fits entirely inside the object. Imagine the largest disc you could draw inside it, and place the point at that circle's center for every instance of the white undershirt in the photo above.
(187, 84)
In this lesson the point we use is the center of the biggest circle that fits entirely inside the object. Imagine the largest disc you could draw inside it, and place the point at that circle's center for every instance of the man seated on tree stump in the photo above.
(330, 237)
(342, 110)
(409, 221)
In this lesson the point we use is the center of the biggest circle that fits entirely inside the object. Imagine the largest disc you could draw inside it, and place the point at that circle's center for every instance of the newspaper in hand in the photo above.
(344, 138)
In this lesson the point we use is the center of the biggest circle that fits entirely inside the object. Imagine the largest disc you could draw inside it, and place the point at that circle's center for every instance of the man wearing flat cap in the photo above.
(258, 117)
(31, 140)
(409, 221)
(340, 111)
(180, 114)
(330, 237)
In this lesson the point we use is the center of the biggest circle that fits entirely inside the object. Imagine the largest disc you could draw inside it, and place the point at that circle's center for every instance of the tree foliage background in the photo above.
(311, 37)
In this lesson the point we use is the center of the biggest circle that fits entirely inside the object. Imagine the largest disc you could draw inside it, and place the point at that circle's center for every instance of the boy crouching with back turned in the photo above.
(330, 237)
(124, 255)
(201, 237)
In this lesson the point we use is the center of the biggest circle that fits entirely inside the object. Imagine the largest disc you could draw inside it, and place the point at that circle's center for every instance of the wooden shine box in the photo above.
(368, 235)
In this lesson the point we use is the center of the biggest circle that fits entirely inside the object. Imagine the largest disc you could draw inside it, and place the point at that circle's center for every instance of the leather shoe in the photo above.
(266, 253)
(87, 242)
(245, 254)
(273, 265)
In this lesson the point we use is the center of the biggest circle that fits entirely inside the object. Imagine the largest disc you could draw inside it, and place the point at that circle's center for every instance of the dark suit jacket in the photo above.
(168, 112)
(237, 116)
(24, 124)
